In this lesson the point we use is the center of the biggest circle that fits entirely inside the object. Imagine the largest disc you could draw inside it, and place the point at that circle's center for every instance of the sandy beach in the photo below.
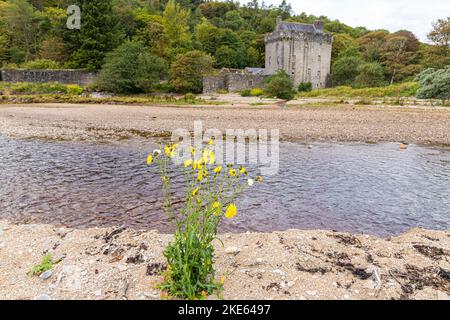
(117, 263)
(296, 122)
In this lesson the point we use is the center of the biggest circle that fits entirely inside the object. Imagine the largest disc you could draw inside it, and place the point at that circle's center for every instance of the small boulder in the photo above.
(232, 251)
(46, 275)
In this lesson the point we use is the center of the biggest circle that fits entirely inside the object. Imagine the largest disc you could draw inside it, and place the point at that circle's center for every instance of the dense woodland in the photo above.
(191, 36)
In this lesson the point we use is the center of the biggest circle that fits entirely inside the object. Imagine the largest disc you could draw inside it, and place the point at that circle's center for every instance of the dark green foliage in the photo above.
(370, 75)
(305, 87)
(187, 71)
(345, 70)
(280, 85)
(131, 68)
(98, 34)
(434, 84)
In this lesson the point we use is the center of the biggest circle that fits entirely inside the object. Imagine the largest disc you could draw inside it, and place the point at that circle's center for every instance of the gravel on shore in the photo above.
(119, 263)
(301, 123)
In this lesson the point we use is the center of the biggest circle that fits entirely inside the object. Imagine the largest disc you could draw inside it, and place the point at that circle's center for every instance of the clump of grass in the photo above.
(125, 100)
(45, 265)
(408, 89)
(40, 88)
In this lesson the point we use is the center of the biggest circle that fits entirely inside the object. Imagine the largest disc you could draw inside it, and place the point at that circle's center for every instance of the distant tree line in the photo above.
(181, 40)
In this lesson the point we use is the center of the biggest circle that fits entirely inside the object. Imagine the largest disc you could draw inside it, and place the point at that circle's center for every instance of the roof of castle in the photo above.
(303, 27)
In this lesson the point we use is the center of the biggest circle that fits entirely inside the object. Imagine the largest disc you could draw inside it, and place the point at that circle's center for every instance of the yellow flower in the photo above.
(233, 172)
(170, 150)
(211, 142)
(218, 170)
(208, 157)
(243, 170)
(216, 207)
(188, 163)
(195, 192)
(201, 175)
(192, 151)
(222, 280)
(150, 160)
(231, 211)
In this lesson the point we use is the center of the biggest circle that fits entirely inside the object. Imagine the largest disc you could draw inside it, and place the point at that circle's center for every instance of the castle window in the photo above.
(250, 83)
(320, 58)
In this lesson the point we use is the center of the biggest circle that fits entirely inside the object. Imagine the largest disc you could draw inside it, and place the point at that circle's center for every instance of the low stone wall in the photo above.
(240, 82)
(79, 77)
(232, 82)
(213, 84)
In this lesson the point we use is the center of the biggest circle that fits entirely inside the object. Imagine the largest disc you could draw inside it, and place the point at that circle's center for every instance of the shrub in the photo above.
(210, 193)
(370, 75)
(305, 87)
(74, 89)
(188, 70)
(189, 97)
(345, 70)
(434, 84)
(39, 64)
(256, 92)
(130, 68)
(246, 93)
(280, 85)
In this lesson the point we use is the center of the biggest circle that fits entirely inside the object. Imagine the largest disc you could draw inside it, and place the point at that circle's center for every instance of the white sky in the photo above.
(393, 15)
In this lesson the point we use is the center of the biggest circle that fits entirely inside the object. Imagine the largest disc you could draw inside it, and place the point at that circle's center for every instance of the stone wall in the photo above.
(240, 82)
(232, 82)
(79, 77)
(213, 84)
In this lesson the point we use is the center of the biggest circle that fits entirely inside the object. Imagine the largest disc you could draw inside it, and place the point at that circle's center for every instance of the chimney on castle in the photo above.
(279, 22)
(319, 25)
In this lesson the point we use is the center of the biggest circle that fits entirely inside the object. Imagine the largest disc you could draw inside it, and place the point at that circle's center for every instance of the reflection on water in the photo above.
(375, 189)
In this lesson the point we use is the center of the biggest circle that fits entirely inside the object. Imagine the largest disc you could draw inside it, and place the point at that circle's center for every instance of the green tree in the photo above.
(98, 35)
(154, 37)
(440, 34)
(370, 75)
(175, 21)
(22, 25)
(188, 70)
(280, 85)
(342, 43)
(131, 68)
(345, 70)
(371, 44)
(226, 57)
(400, 55)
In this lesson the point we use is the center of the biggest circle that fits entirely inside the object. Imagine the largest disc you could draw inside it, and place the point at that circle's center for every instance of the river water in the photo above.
(366, 188)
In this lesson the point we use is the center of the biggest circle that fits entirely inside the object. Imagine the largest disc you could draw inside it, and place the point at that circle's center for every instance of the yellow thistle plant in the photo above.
(210, 199)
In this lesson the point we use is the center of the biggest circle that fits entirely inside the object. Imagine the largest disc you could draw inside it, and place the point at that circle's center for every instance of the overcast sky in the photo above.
(393, 15)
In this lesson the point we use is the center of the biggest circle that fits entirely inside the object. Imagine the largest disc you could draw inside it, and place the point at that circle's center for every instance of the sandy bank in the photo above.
(124, 264)
(295, 122)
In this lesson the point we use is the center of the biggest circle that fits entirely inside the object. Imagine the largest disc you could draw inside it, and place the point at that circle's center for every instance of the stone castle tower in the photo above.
(302, 50)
